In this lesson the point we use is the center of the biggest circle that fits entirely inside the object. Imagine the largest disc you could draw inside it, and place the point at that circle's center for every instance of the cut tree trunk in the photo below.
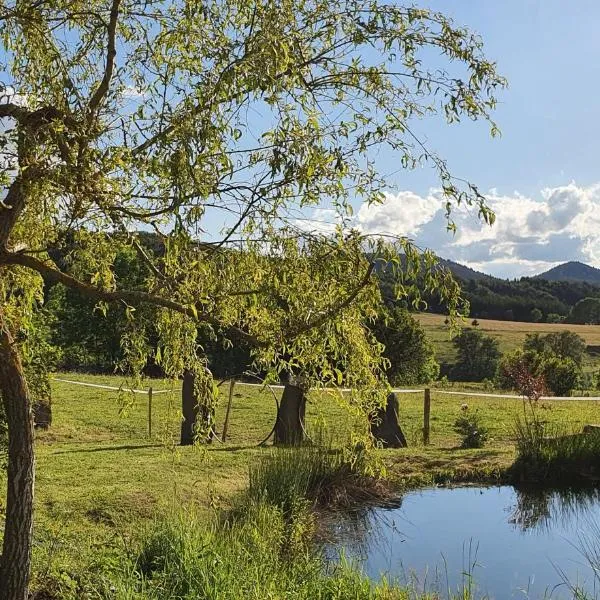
(192, 410)
(385, 427)
(42, 414)
(289, 427)
(15, 561)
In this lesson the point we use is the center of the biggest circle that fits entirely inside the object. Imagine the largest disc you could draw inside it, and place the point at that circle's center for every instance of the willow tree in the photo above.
(219, 125)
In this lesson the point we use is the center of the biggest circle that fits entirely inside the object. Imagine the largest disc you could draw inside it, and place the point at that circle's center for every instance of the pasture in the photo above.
(101, 480)
(510, 334)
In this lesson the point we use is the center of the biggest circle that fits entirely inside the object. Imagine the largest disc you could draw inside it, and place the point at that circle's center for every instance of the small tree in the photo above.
(536, 315)
(478, 356)
(586, 311)
(409, 354)
(562, 344)
(562, 375)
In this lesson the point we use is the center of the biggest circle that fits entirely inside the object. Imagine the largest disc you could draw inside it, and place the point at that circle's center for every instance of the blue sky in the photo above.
(543, 175)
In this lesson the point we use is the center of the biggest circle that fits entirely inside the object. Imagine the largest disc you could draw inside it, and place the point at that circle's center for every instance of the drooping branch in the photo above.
(335, 309)
(131, 297)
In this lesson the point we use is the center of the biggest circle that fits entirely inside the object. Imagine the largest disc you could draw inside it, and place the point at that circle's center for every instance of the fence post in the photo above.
(150, 412)
(426, 412)
(226, 424)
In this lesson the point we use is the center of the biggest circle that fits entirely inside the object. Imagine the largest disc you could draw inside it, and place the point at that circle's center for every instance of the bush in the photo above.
(561, 374)
(469, 426)
(478, 356)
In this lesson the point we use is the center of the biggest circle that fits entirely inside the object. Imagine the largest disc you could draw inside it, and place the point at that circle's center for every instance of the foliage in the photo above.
(536, 315)
(255, 557)
(562, 375)
(491, 298)
(410, 355)
(586, 311)
(562, 344)
(471, 429)
(122, 117)
(529, 385)
(556, 358)
(478, 356)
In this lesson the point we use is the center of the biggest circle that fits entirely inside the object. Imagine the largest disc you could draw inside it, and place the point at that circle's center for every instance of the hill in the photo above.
(518, 299)
(572, 271)
(463, 272)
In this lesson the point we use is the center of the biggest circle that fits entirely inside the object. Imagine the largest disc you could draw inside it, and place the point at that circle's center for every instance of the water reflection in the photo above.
(500, 542)
(542, 508)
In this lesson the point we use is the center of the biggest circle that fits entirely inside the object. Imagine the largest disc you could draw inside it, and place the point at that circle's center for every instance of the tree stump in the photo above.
(385, 427)
(42, 414)
(289, 427)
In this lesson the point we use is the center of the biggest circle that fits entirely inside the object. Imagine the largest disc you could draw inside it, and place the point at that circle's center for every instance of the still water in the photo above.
(508, 542)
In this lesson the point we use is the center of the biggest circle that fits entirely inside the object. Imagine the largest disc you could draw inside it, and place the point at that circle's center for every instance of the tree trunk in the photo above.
(16, 550)
(192, 410)
(385, 427)
(289, 427)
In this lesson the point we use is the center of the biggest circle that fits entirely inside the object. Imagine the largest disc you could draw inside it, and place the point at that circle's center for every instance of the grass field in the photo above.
(100, 478)
(510, 334)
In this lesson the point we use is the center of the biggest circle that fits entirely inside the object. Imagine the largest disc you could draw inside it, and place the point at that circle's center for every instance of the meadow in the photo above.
(101, 480)
(510, 335)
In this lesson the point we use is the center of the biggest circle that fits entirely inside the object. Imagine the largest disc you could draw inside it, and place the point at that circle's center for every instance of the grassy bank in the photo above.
(101, 480)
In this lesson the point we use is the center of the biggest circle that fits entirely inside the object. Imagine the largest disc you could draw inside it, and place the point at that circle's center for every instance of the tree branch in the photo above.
(111, 53)
(324, 317)
(131, 297)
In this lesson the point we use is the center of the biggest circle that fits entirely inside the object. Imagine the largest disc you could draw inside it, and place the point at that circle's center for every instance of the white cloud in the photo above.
(400, 214)
(531, 234)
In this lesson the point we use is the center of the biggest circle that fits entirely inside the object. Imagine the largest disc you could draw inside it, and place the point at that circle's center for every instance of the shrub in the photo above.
(536, 315)
(469, 426)
(561, 374)
(478, 356)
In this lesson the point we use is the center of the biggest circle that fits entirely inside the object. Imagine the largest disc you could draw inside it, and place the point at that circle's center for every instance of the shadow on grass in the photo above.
(109, 448)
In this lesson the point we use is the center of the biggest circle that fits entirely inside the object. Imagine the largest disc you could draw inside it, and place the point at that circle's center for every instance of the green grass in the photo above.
(510, 335)
(100, 480)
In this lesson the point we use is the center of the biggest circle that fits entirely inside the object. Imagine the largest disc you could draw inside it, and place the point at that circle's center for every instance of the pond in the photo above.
(503, 541)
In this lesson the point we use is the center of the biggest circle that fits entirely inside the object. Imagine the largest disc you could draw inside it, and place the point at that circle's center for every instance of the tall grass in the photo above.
(553, 452)
(319, 474)
(247, 559)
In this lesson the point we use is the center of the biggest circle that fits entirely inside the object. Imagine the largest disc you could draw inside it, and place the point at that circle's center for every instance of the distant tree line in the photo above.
(557, 357)
(527, 299)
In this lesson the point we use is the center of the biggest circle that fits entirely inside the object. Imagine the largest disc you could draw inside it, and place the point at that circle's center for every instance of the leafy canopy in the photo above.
(218, 125)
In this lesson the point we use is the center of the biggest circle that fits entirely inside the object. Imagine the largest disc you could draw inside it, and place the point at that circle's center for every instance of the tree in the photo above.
(561, 375)
(586, 311)
(561, 344)
(218, 125)
(556, 358)
(536, 315)
(478, 356)
(410, 355)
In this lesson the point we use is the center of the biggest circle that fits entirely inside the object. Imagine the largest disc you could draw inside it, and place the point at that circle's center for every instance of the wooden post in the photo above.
(226, 424)
(426, 412)
(150, 412)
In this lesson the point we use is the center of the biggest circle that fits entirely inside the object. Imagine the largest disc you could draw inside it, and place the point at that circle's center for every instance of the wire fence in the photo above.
(246, 406)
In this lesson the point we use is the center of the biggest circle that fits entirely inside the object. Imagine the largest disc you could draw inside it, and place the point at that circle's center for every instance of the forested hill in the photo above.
(572, 271)
(518, 299)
